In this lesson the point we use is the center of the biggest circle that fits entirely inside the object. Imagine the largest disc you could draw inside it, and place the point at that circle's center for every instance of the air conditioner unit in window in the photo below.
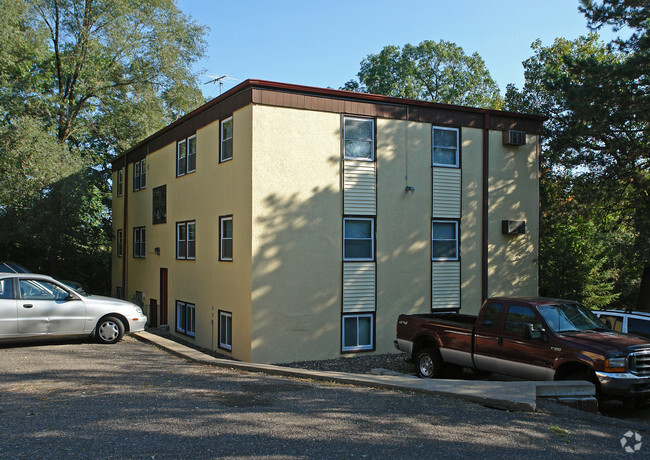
(513, 137)
(513, 227)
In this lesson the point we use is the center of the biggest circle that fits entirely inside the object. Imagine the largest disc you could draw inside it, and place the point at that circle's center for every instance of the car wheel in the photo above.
(109, 330)
(429, 363)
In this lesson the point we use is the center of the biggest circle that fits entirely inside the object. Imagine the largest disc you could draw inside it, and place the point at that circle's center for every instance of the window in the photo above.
(186, 156)
(139, 175)
(120, 243)
(357, 332)
(186, 240)
(445, 147)
(225, 330)
(638, 327)
(119, 292)
(120, 182)
(518, 316)
(185, 318)
(358, 239)
(139, 242)
(491, 315)
(359, 136)
(160, 205)
(7, 288)
(225, 238)
(444, 240)
(616, 322)
(41, 290)
(226, 139)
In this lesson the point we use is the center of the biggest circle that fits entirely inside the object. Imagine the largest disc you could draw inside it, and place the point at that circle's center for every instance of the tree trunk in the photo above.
(643, 301)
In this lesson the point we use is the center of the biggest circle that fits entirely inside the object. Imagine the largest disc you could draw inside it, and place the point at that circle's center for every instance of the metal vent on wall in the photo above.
(513, 227)
(513, 137)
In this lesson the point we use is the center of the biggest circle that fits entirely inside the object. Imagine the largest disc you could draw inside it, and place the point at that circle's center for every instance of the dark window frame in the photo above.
(140, 175)
(225, 344)
(372, 140)
(373, 238)
(222, 238)
(159, 205)
(139, 242)
(439, 220)
(188, 244)
(182, 326)
(373, 331)
(119, 243)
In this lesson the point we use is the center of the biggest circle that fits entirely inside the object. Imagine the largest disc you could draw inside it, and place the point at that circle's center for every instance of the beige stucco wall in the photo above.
(403, 225)
(513, 195)
(213, 190)
(296, 235)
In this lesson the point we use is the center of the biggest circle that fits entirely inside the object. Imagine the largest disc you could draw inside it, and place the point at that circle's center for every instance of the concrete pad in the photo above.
(512, 395)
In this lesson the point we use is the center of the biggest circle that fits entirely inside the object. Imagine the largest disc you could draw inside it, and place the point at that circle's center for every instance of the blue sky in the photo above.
(322, 43)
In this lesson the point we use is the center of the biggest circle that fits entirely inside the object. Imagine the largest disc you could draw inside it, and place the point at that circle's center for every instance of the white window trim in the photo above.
(120, 242)
(372, 240)
(120, 182)
(222, 316)
(221, 158)
(139, 171)
(372, 333)
(372, 139)
(456, 232)
(138, 243)
(188, 154)
(190, 318)
(187, 240)
(444, 165)
(222, 238)
(181, 172)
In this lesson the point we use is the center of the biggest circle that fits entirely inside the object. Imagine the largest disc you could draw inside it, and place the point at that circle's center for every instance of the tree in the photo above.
(596, 99)
(436, 72)
(81, 81)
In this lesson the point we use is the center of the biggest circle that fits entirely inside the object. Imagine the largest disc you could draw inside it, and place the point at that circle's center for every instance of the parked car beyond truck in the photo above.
(533, 338)
(33, 306)
(629, 322)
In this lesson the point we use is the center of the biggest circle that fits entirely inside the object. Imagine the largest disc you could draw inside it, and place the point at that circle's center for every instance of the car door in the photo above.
(46, 308)
(487, 337)
(520, 356)
(8, 315)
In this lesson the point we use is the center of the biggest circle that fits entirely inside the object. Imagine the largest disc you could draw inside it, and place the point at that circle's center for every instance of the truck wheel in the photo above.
(429, 363)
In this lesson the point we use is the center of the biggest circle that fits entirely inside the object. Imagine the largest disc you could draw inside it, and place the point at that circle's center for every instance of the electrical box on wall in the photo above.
(514, 137)
(513, 227)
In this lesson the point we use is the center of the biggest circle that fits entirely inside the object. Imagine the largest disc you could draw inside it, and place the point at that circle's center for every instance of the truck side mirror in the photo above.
(608, 323)
(530, 333)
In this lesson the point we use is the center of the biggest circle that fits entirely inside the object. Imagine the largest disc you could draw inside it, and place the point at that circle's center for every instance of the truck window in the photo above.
(518, 316)
(491, 314)
(638, 327)
(616, 321)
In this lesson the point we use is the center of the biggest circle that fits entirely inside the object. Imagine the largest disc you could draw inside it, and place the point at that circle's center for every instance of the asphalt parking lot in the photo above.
(78, 399)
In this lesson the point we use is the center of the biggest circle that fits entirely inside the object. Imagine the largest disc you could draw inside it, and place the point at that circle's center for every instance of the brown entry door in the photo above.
(163, 296)
(153, 313)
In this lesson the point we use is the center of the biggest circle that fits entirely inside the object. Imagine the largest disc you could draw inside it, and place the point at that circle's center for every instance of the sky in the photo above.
(318, 43)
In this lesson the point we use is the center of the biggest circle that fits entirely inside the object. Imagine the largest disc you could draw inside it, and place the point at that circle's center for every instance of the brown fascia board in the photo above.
(393, 107)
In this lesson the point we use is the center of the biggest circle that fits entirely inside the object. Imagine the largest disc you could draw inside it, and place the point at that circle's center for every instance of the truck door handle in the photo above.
(27, 305)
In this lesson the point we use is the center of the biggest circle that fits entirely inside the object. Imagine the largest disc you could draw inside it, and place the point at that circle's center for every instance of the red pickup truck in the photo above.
(533, 338)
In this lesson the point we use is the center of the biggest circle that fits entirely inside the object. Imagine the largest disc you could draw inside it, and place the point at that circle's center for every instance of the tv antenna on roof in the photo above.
(219, 80)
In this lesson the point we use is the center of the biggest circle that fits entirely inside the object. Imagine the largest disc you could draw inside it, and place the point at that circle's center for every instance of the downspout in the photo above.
(484, 230)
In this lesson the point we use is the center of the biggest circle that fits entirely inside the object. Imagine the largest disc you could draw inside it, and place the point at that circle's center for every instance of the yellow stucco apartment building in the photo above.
(280, 223)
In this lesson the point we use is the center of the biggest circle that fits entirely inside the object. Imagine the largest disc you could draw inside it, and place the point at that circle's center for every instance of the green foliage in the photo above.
(431, 71)
(596, 144)
(81, 81)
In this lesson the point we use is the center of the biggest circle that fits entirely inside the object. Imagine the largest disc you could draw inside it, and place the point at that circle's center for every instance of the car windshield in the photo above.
(570, 317)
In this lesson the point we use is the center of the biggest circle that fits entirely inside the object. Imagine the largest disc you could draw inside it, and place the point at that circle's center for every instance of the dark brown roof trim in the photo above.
(326, 100)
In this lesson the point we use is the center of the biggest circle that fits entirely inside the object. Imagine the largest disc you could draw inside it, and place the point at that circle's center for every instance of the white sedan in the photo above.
(40, 306)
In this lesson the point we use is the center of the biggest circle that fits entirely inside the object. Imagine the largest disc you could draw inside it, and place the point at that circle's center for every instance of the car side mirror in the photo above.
(530, 333)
